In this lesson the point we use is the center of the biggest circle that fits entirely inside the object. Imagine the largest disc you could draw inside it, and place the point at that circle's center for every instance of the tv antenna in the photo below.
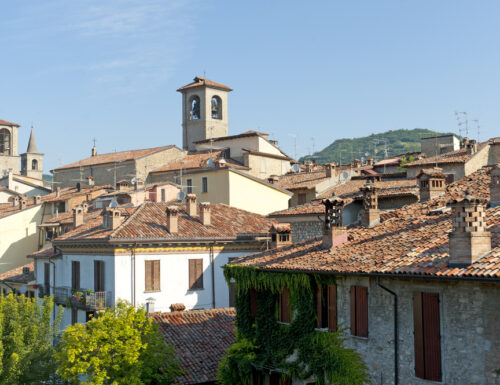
(462, 120)
(294, 136)
(478, 127)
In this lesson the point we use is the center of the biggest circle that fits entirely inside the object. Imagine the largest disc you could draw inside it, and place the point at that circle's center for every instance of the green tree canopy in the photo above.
(120, 346)
(26, 336)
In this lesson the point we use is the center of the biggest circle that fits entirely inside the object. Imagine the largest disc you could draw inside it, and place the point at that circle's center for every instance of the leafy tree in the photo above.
(26, 340)
(120, 346)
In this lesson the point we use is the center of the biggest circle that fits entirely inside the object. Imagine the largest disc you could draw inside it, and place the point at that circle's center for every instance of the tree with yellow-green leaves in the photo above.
(26, 340)
(120, 346)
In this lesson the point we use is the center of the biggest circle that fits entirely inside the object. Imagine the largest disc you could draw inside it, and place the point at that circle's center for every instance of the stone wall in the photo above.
(306, 229)
(494, 155)
(470, 332)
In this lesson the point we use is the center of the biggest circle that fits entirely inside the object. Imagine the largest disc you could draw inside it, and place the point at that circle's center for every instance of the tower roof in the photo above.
(6, 123)
(202, 82)
(32, 144)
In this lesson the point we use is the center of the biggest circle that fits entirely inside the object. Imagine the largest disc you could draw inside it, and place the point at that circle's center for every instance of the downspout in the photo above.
(54, 275)
(396, 353)
(212, 263)
(133, 272)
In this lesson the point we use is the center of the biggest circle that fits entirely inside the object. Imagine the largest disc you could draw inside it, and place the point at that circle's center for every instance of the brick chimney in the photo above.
(495, 186)
(356, 163)
(370, 216)
(172, 219)
(330, 170)
(273, 179)
(191, 206)
(77, 216)
(432, 183)
(205, 213)
(334, 233)
(309, 167)
(369, 162)
(281, 235)
(90, 180)
(23, 203)
(471, 147)
(469, 239)
(37, 199)
(112, 218)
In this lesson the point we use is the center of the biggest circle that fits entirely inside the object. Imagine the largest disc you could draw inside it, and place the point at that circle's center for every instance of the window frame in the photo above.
(195, 274)
(189, 186)
(204, 184)
(75, 275)
(359, 311)
(99, 276)
(284, 306)
(152, 275)
(327, 294)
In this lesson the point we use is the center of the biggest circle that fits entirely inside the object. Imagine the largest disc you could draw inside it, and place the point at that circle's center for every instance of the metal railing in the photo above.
(82, 298)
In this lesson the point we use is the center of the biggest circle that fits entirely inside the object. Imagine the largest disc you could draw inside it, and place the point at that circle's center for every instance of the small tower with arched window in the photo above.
(9, 156)
(204, 111)
(32, 160)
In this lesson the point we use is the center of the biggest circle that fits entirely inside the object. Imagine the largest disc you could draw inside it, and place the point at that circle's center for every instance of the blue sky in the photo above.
(316, 69)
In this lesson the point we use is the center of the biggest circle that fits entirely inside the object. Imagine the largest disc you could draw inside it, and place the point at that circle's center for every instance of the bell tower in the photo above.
(204, 111)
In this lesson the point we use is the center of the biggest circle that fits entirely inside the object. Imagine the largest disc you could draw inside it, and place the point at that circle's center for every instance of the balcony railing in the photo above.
(82, 298)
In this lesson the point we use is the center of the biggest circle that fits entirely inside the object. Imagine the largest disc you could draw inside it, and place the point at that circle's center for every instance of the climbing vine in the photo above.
(297, 349)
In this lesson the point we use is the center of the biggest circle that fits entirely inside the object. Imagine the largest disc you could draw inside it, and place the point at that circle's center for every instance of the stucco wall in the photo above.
(480, 159)
(218, 186)
(263, 166)
(494, 156)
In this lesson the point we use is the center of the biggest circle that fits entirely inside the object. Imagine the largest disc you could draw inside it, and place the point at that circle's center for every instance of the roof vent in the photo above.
(334, 233)
(370, 216)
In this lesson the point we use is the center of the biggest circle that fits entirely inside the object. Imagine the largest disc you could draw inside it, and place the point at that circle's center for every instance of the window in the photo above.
(34, 164)
(29, 294)
(163, 195)
(74, 315)
(427, 336)
(302, 198)
(359, 311)
(204, 184)
(284, 237)
(326, 307)
(257, 377)
(284, 308)
(4, 142)
(189, 183)
(216, 108)
(152, 278)
(232, 294)
(194, 113)
(98, 275)
(46, 278)
(75, 275)
(195, 274)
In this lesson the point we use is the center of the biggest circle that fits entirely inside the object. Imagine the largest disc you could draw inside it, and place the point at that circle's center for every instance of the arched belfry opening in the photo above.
(195, 112)
(216, 105)
(4, 142)
(34, 164)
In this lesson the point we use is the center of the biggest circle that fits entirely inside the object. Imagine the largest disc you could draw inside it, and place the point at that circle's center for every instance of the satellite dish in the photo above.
(210, 163)
(295, 167)
(133, 180)
(181, 195)
(344, 175)
(113, 204)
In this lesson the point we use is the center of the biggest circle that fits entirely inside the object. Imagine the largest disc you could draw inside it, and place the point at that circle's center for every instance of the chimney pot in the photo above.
(205, 213)
(471, 147)
(495, 186)
(370, 216)
(330, 168)
(273, 179)
(112, 218)
(172, 219)
(23, 203)
(191, 206)
(334, 233)
(90, 180)
(432, 183)
(37, 199)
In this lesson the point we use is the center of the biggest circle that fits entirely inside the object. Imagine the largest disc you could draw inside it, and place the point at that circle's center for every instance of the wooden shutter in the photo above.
(361, 311)
(75, 275)
(418, 335)
(319, 315)
(253, 303)
(353, 311)
(432, 344)
(156, 275)
(148, 278)
(46, 278)
(98, 275)
(196, 274)
(192, 272)
(199, 273)
(284, 305)
(332, 307)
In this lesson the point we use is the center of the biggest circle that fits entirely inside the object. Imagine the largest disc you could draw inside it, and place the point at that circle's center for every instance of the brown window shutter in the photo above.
(353, 311)
(192, 272)
(319, 315)
(77, 275)
(148, 275)
(432, 344)
(284, 305)
(156, 275)
(199, 273)
(253, 303)
(418, 335)
(96, 275)
(101, 276)
(362, 311)
(332, 307)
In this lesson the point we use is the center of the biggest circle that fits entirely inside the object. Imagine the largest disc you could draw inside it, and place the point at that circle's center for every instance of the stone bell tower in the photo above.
(32, 160)
(204, 111)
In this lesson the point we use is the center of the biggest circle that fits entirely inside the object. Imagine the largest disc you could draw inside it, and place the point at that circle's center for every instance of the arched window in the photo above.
(4, 142)
(216, 108)
(34, 164)
(195, 108)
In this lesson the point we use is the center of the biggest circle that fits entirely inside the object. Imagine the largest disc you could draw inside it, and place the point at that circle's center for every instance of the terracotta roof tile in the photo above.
(457, 156)
(16, 275)
(198, 161)
(200, 339)
(6, 123)
(301, 180)
(200, 82)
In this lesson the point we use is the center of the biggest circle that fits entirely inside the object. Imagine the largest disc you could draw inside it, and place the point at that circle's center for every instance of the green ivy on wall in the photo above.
(297, 349)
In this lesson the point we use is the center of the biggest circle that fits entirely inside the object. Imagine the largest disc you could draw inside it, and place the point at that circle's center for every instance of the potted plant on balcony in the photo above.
(77, 297)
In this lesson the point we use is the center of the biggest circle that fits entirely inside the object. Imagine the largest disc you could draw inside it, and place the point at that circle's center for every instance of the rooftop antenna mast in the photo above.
(462, 120)
(478, 128)
(294, 136)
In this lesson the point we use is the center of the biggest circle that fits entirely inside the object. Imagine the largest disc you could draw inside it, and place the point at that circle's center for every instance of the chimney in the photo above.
(369, 162)
(309, 167)
(112, 218)
(356, 163)
(85, 207)
(172, 219)
(334, 233)
(77, 216)
(37, 199)
(464, 142)
(281, 235)
(90, 180)
(58, 192)
(273, 179)
(370, 216)
(431, 183)
(15, 201)
(330, 169)
(495, 186)
(191, 206)
(471, 147)
(22, 204)
(205, 213)
(469, 239)
(220, 163)
(177, 307)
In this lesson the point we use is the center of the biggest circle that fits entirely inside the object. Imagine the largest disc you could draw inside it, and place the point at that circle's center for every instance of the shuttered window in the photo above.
(253, 303)
(99, 276)
(326, 307)
(75, 275)
(196, 274)
(284, 308)
(359, 311)
(46, 278)
(427, 336)
(152, 276)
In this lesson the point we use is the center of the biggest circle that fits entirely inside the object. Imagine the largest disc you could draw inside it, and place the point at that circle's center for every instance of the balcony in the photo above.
(82, 298)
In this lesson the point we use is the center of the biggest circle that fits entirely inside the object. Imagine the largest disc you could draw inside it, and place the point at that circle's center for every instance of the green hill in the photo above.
(396, 142)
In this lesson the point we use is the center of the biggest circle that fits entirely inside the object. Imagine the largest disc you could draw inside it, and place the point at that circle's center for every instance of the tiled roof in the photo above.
(48, 252)
(197, 161)
(231, 137)
(6, 123)
(149, 222)
(7, 209)
(200, 339)
(301, 180)
(388, 162)
(73, 192)
(67, 217)
(113, 157)
(16, 275)
(410, 242)
(457, 156)
(200, 82)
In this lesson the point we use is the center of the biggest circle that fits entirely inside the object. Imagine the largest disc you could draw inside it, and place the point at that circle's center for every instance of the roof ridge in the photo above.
(126, 220)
